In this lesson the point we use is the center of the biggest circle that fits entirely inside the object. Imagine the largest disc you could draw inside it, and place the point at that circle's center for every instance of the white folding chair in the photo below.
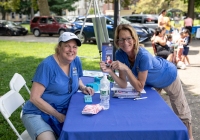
(17, 82)
(9, 103)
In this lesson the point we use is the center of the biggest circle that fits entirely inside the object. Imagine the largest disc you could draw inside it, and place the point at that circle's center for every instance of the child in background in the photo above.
(171, 45)
(180, 43)
(186, 34)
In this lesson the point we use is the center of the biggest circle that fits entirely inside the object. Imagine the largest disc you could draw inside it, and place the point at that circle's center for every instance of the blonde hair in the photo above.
(133, 33)
(57, 48)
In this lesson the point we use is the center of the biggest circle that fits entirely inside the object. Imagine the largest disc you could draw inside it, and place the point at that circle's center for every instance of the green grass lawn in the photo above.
(23, 58)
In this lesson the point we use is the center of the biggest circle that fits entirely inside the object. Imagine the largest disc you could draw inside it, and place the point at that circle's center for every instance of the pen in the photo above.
(139, 98)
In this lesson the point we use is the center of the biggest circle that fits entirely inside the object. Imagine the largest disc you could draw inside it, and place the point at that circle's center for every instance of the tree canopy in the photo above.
(57, 6)
(44, 6)
(155, 6)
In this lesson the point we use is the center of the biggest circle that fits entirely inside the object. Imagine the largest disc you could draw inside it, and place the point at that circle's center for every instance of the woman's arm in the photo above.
(120, 80)
(36, 92)
(124, 71)
(137, 83)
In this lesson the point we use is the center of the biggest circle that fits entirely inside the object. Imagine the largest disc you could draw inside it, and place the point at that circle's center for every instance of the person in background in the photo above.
(179, 51)
(188, 23)
(186, 34)
(180, 43)
(177, 24)
(171, 46)
(160, 41)
(161, 20)
(140, 68)
(56, 79)
(168, 24)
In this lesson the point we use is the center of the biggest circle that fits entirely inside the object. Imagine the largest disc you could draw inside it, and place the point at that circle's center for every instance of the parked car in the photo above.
(11, 28)
(49, 25)
(149, 31)
(88, 30)
(26, 21)
(148, 20)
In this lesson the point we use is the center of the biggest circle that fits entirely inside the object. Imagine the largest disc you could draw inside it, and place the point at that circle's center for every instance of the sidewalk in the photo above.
(191, 84)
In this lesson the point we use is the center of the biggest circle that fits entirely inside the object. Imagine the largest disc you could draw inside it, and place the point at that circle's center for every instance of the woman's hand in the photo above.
(105, 67)
(117, 65)
(60, 117)
(88, 90)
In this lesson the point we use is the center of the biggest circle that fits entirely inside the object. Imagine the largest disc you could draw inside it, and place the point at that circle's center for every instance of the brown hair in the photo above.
(169, 37)
(158, 30)
(133, 33)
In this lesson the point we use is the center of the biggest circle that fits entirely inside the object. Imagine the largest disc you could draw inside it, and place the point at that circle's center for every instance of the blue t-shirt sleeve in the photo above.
(145, 62)
(42, 74)
(79, 67)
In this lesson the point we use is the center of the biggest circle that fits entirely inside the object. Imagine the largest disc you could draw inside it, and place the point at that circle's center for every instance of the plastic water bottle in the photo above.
(105, 92)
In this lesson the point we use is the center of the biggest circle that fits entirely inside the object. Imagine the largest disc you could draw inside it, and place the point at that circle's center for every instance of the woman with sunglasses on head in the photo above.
(56, 79)
(140, 68)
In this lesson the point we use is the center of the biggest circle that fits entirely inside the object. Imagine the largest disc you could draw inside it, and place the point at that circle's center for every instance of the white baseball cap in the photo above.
(66, 36)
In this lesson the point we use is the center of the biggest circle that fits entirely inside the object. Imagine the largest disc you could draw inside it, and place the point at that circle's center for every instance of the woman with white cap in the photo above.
(56, 79)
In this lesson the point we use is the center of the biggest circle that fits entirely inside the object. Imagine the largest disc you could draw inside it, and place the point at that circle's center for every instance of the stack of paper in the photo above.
(92, 73)
(128, 92)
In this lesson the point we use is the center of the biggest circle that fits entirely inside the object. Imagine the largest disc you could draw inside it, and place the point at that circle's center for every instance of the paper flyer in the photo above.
(107, 52)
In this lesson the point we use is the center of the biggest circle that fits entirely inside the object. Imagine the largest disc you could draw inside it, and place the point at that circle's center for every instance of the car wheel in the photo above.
(9, 33)
(94, 42)
(61, 32)
(50, 34)
(36, 33)
(81, 37)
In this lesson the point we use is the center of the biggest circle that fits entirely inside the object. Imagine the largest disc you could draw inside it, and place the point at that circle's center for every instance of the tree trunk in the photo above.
(190, 12)
(43, 7)
(3, 13)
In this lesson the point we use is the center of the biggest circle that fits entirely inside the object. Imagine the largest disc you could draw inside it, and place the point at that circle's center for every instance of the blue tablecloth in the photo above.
(148, 119)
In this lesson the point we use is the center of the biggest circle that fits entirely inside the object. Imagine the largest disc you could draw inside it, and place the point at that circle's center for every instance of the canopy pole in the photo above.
(116, 17)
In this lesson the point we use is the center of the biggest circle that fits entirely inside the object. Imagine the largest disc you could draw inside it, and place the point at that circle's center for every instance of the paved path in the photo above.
(191, 84)
(32, 38)
(190, 78)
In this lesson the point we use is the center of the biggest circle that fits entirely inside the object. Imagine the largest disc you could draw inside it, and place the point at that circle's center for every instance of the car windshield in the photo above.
(122, 20)
(10, 24)
(61, 19)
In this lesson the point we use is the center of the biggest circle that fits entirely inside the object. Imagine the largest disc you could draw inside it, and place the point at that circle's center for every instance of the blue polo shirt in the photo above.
(161, 73)
(56, 83)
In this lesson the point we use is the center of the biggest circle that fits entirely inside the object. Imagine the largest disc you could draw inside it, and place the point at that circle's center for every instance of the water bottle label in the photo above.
(104, 92)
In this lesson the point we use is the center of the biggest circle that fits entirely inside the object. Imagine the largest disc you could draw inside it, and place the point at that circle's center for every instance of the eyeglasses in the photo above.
(70, 85)
(122, 40)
